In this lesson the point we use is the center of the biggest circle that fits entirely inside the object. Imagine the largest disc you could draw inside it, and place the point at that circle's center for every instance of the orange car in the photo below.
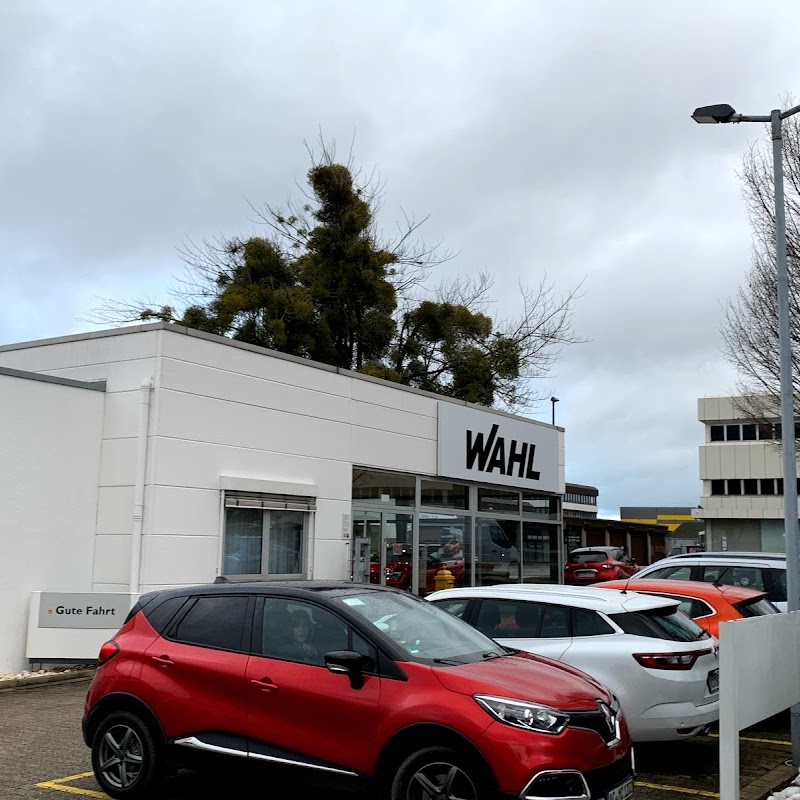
(706, 603)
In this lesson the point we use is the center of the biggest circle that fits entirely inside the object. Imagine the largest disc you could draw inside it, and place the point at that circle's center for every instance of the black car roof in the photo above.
(296, 588)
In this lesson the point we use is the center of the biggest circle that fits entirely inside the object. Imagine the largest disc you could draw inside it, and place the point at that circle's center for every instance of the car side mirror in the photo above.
(350, 663)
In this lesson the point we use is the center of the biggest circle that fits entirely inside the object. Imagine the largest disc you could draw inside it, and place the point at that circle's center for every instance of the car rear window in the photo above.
(660, 623)
(590, 557)
(756, 608)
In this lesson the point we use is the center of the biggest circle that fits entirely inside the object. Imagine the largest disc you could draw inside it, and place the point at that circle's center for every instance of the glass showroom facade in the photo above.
(408, 527)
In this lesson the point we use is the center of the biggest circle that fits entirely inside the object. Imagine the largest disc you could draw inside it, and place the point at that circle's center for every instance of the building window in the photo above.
(733, 433)
(767, 485)
(444, 494)
(717, 433)
(265, 535)
(749, 433)
(384, 487)
(498, 500)
(750, 486)
(540, 505)
(717, 487)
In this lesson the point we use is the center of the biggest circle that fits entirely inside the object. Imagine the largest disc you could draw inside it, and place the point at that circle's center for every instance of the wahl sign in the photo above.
(493, 448)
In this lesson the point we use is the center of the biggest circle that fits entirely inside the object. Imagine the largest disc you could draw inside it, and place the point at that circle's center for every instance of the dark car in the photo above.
(587, 565)
(360, 685)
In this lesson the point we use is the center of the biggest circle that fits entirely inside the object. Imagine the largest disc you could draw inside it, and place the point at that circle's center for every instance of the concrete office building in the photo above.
(740, 467)
(155, 456)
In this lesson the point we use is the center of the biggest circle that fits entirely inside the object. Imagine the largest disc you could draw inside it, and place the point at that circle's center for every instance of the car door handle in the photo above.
(164, 661)
(265, 684)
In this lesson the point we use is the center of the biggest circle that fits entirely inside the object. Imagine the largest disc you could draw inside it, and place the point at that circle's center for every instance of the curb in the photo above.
(12, 684)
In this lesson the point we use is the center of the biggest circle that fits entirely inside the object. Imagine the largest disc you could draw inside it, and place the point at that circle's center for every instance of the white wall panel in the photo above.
(741, 455)
(48, 480)
(121, 419)
(81, 352)
(713, 462)
(388, 397)
(221, 384)
(125, 376)
(196, 464)
(114, 510)
(179, 560)
(182, 511)
(331, 560)
(758, 459)
(772, 461)
(247, 362)
(372, 448)
(367, 415)
(204, 419)
(727, 461)
(112, 560)
(118, 462)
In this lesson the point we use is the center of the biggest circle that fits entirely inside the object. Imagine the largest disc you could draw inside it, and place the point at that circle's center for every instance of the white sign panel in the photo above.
(491, 448)
(83, 610)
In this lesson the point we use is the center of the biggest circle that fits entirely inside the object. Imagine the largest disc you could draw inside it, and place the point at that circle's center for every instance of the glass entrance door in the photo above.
(390, 548)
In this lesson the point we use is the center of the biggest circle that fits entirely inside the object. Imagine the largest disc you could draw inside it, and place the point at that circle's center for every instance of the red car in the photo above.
(364, 686)
(587, 565)
(707, 604)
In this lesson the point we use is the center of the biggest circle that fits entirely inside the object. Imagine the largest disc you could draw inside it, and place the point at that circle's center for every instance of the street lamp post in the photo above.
(553, 401)
(725, 113)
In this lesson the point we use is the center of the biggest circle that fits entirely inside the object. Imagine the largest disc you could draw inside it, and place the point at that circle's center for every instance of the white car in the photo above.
(661, 665)
(763, 571)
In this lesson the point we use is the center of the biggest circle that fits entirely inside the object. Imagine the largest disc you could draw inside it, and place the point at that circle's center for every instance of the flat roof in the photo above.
(94, 386)
(224, 340)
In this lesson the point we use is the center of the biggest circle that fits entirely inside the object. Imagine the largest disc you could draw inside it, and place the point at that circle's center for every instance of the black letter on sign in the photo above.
(517, 458)
(477, 450)
(498, 457)
(530, 472)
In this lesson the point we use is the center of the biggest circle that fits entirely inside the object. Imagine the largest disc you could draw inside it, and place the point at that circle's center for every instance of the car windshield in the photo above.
(427, 633)
(756, 608)
(588, 557)
(660, 623)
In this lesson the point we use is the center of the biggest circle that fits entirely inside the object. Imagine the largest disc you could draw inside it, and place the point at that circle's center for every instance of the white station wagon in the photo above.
(663, 667)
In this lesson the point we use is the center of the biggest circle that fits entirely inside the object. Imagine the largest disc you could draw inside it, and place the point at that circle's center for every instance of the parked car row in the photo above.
(531, 691)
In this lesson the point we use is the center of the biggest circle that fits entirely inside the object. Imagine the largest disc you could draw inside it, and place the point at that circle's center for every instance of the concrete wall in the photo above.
(50, 443)
(125, 361)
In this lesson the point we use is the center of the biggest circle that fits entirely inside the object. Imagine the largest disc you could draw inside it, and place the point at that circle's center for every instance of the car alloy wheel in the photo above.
(124, 756)
(121, 756)
(436, 773)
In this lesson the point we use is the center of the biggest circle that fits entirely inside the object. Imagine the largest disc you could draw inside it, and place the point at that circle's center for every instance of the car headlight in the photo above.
(530, 716)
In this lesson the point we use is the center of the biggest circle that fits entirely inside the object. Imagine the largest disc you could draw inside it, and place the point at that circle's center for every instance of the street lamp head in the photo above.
(708, 115)
(553, 399)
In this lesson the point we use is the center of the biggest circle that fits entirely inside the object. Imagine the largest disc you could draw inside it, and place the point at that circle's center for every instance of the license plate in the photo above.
(713, 681)
(585, 573)
(622, 792)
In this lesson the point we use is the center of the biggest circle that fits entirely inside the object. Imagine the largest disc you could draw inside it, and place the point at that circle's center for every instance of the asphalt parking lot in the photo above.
(43, 758)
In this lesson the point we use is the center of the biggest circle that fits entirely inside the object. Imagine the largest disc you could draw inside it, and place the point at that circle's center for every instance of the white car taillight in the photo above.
(670, 660)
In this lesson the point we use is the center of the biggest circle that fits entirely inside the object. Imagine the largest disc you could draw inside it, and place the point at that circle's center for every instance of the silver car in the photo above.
(661, 665)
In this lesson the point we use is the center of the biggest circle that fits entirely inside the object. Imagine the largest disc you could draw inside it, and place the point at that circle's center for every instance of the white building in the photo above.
(742, 475)
(156, 456)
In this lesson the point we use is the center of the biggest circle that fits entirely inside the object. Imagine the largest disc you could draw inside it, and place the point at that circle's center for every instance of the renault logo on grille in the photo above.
(610, 717)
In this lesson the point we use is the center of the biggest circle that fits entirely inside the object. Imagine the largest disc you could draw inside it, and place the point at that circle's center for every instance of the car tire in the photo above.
(438, 772)
(125, 759)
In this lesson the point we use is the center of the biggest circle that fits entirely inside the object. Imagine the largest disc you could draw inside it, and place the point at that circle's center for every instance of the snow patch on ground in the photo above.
(8, 676)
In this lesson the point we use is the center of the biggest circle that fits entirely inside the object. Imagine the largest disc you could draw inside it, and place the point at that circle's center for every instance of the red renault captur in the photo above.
(361, 684)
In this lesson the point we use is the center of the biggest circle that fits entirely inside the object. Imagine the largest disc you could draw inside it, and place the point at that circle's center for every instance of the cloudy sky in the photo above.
(540, 136)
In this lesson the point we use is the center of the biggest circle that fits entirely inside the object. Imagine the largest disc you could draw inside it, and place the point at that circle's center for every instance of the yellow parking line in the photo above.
(58, 785)
(759, 741)
(679, 789)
